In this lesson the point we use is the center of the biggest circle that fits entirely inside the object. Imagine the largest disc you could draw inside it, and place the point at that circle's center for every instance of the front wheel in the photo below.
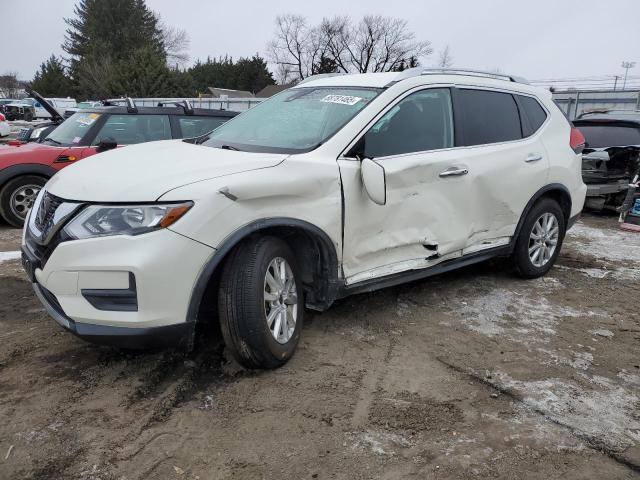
(540, 239)
(17, 197)
(260, 303)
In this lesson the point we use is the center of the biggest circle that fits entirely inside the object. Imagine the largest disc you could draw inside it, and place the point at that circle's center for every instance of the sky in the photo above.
(537, 39)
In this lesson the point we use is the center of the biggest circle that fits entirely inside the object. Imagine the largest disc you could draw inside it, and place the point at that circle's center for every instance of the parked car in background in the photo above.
(339, 185)
(81, 106)
(5, 128)
(611, 155)
(26, 167)
(19, 110)
(40, 131)
(6, 101)
(59, 104)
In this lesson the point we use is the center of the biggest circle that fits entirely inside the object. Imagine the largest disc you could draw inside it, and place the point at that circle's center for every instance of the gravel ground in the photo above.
(471, 374)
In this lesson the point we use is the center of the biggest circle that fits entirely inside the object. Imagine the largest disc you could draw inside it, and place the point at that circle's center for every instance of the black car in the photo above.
(193, 122)
(611, 155)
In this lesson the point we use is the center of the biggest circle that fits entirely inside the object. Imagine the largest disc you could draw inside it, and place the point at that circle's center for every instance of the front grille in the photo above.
(46, 211)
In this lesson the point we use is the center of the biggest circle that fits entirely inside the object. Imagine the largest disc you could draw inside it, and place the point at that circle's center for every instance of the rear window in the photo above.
(601, 136)
(196, 126)
(534, 113)
(489, 117)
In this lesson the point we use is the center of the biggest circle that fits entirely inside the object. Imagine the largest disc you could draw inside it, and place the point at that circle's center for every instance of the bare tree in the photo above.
(10, 86)
(176, 45)
(445, 59)
(375, 44)
(289, 49)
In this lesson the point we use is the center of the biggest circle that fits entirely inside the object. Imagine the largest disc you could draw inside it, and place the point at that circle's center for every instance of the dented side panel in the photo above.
(304, 188)
(428, 218)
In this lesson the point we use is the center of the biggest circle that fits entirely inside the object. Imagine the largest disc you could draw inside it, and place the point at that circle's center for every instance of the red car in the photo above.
(26, 167)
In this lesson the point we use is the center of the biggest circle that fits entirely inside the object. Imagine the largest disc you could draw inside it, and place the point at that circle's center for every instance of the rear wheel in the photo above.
(260, 303)
(540, 239)
(17, 197)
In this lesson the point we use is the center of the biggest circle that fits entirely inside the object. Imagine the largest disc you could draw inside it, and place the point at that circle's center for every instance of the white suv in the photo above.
(342, 184)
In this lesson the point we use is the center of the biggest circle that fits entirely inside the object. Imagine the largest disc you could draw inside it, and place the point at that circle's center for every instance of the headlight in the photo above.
(103, 220)
(36, 132)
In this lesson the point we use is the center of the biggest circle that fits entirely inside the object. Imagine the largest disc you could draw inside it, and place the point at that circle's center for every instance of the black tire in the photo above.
(241, 303)
(7, 192)
(520, 258)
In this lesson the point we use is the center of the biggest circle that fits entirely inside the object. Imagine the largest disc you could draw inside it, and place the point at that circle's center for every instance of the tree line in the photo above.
(121, 47)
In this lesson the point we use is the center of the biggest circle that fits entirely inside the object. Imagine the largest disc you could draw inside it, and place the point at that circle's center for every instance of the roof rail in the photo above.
(131, 105)
(185, 104)
(417, 71)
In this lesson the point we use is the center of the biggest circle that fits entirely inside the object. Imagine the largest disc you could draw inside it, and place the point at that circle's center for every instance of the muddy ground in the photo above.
(472, 374)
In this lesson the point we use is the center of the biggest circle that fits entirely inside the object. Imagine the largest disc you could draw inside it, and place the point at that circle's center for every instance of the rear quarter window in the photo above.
(534, 113)
(488, 117)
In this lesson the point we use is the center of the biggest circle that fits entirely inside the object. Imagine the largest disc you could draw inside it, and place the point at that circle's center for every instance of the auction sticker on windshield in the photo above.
(341, 99)
(88, 118)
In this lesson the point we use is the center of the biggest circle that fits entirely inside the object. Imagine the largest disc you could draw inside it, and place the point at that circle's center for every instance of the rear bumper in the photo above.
(179, 335)
(598, 189)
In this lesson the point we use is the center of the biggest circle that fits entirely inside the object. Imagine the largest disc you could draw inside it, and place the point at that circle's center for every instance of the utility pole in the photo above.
(615, 82)
(626, 66)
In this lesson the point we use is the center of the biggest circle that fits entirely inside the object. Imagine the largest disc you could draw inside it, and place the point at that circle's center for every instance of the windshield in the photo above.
(295, 121)
(72, 130)
(602, 136)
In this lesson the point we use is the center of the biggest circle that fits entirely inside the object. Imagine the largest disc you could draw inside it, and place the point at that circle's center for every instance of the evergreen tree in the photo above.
(52, 80)
(249, 74)
(325, 65)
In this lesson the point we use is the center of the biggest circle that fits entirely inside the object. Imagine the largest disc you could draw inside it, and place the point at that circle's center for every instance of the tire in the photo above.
(529, 265)
(244, 309)
(14, 204)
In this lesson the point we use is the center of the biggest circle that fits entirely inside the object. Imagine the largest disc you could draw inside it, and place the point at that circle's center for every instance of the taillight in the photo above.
(576, 140)
(2, 118)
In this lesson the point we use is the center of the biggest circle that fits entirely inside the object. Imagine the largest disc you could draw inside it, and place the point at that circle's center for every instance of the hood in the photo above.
(144, 172)
(55, 115)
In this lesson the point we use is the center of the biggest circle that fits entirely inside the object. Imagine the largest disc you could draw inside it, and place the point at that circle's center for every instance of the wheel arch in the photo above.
(315, 252)
(556, 191)
(13, 171)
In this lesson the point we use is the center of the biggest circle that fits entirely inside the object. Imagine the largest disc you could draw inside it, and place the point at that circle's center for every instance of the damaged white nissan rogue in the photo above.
(342, 184)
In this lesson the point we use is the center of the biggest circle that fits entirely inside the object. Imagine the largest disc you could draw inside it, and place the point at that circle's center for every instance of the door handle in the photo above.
(533, 157)
(454, 171)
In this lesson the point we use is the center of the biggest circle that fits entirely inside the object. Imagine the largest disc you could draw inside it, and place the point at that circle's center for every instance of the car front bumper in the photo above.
(128, 291)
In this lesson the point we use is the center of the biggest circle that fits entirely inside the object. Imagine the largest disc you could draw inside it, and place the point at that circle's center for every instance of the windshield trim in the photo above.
(287, 150)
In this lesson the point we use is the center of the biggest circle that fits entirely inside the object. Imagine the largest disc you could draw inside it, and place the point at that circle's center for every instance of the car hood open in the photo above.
(144, 172)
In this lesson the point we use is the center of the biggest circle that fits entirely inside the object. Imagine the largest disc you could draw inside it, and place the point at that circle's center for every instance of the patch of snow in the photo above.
(605, 416)
(380, 443)
(602, 332)
(6, 256)
(606, 244)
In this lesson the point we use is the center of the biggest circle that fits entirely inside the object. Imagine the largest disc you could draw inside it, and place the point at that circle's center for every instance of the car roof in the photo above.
(609, 116)
(428, 76)
(123, 110)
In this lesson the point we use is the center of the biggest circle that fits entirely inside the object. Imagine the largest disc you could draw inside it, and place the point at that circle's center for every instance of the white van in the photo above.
(60, 104)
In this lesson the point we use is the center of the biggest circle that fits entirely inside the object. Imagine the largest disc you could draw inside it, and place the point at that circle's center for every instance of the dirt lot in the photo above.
(473, 374)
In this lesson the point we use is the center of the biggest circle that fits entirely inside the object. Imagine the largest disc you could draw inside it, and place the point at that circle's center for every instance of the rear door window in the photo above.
(488, 117)
(131, 129)
(536, 115)
(191, 126)
(602, 136)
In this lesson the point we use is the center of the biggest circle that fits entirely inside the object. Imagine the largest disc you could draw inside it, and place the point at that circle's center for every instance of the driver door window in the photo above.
(420, 122)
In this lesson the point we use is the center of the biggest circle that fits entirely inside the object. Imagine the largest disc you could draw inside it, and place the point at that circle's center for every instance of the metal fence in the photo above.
(233, 104)
(573, 103)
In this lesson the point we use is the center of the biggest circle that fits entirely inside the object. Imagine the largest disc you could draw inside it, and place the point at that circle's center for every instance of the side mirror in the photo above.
(601, 156)
(374, 180)
(107, 143)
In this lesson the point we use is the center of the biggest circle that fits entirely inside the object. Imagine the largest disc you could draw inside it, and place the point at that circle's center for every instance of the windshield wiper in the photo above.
(229, 147)
(49, 139)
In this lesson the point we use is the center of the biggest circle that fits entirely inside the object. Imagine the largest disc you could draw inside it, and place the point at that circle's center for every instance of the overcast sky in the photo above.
(533, 38)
